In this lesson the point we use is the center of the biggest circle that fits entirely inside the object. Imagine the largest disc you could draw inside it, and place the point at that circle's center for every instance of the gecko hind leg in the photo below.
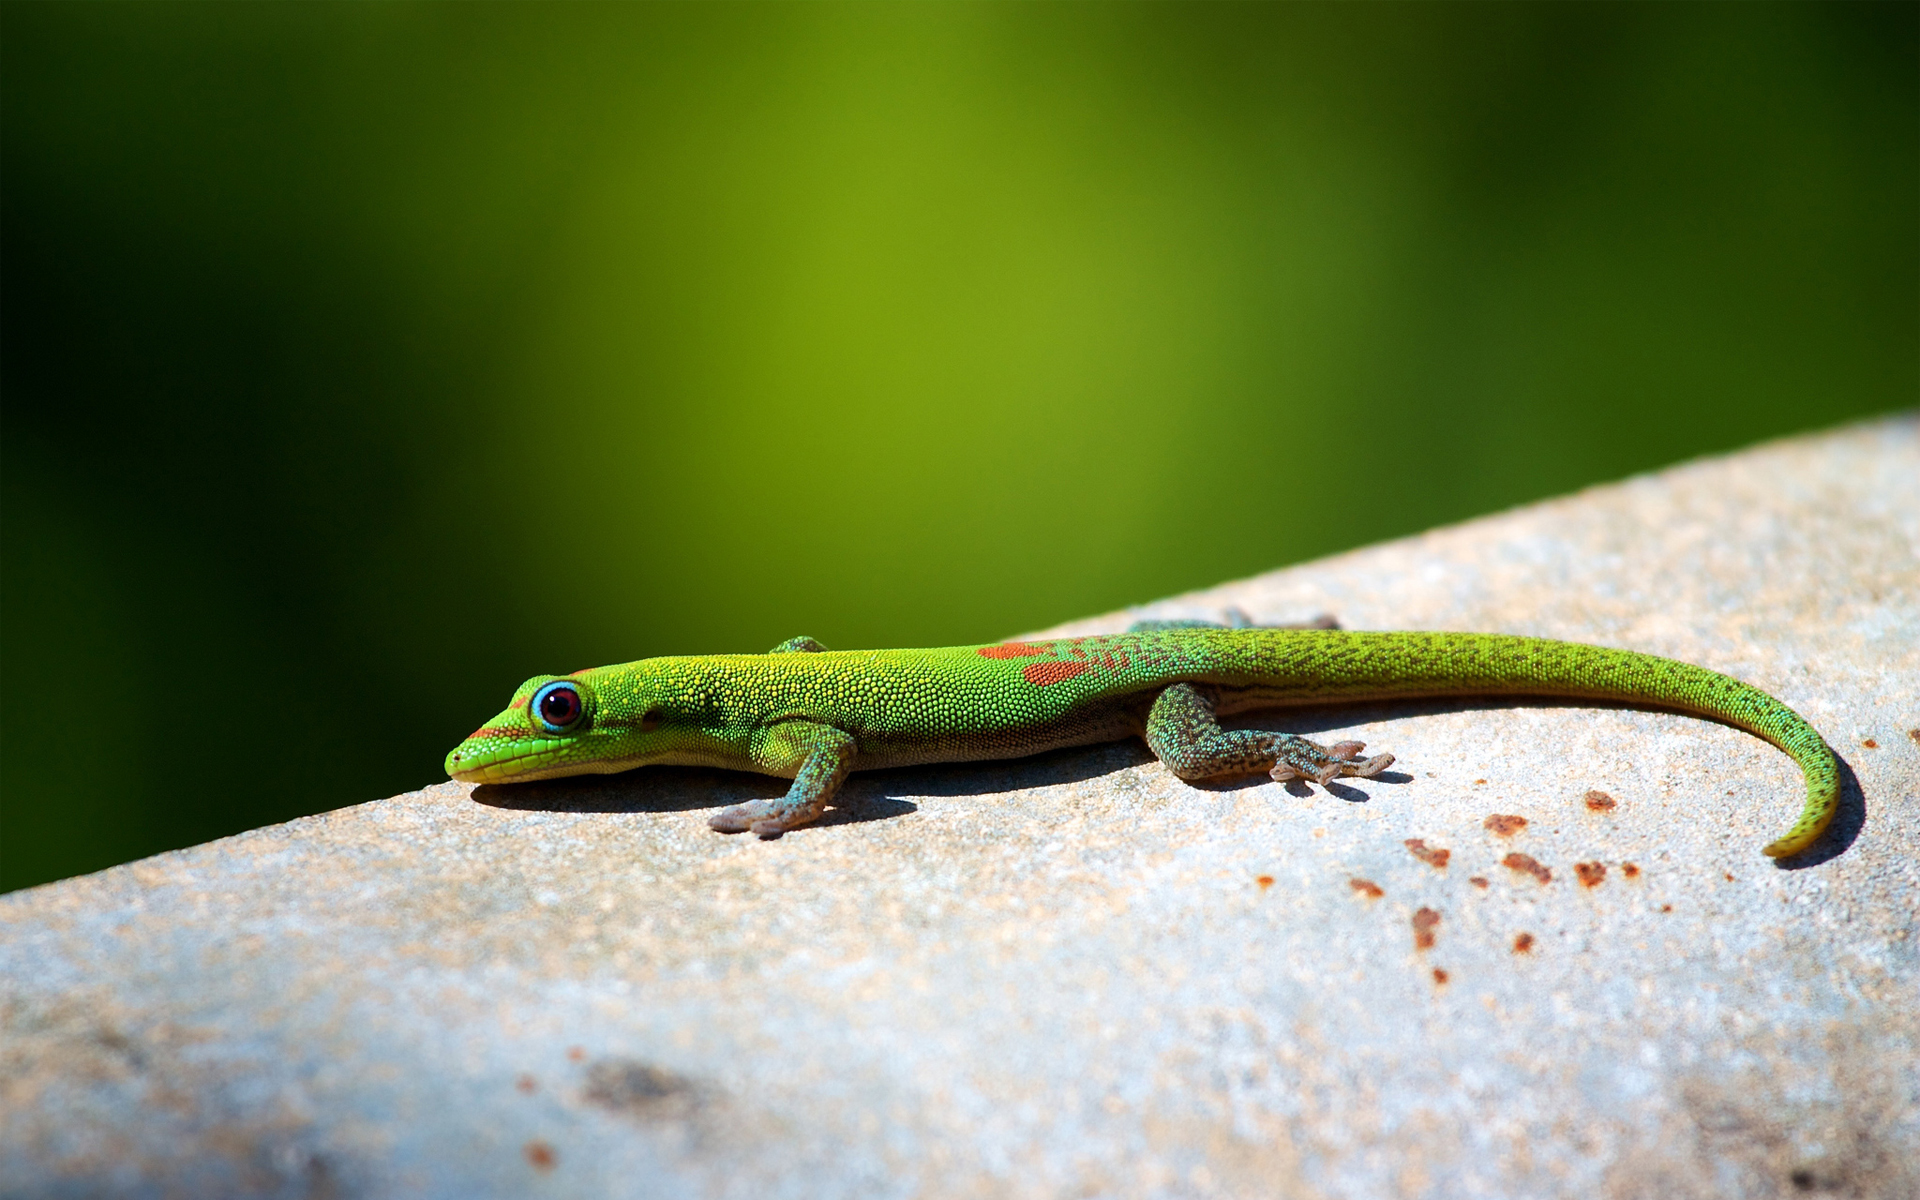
(1184, 733)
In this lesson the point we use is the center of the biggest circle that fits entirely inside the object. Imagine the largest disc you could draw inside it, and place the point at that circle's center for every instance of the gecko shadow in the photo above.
(877, 795)
(668, 790)
(866, 796)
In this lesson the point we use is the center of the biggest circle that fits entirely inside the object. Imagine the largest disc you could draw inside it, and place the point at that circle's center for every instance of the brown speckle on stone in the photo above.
(1869, 743)
(1504, 824)
(1432, 856)
(1630, 870)
(1366, 887)
(1529, 864)
(1265, 881)
(1439, 976)
(1598, 801)
(638, 1089)
(1523, 943)
(540, 1155)
(1425, 921)
(1592, 874)
(525, 1085)
(1478, 881)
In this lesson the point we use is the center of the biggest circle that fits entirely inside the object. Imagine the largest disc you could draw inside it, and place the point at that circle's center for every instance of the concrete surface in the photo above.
(1074, 975)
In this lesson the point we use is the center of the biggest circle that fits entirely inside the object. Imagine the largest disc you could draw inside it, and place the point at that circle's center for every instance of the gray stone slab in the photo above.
(1075, 975)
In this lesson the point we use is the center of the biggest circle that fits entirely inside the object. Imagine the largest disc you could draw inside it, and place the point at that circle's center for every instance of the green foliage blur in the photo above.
(360, 361)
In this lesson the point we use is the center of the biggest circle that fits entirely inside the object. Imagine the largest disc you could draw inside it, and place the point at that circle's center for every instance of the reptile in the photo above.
(805, 713)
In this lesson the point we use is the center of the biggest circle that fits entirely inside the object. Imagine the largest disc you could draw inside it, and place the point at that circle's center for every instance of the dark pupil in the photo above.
(560, 706)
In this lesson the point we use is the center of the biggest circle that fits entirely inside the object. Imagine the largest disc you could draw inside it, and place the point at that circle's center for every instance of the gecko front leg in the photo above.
(1184, 733)
(817, 757)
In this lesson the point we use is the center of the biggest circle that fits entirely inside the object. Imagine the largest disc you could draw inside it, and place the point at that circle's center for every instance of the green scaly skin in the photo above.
(811, 715)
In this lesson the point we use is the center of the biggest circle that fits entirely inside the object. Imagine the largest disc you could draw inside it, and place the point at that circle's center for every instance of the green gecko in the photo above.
(805, 713)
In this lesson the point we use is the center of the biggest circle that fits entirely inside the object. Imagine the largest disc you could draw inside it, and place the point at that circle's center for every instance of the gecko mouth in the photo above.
(510, 763)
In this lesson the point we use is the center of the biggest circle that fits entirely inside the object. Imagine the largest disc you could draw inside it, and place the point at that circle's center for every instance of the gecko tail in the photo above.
(1631, 677)
(1382, 665)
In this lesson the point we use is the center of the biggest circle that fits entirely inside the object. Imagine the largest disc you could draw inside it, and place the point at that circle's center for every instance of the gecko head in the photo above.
(554, 726)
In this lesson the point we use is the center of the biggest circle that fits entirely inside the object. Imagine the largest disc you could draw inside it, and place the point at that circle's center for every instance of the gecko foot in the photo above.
(767, 818)
(1302, 759)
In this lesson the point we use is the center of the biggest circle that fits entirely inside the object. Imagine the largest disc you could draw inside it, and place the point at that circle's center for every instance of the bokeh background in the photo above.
(360, 361)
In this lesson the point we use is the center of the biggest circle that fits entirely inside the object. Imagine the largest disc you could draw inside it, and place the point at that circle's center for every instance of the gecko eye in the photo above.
(556, 707)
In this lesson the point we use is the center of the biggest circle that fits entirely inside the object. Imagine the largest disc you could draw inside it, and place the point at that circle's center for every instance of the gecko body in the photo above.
(812, 715)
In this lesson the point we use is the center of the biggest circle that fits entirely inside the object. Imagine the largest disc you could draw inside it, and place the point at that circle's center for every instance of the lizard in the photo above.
(805, 713)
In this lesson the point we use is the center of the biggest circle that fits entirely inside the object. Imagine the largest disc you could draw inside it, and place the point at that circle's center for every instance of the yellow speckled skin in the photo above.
(812, 715)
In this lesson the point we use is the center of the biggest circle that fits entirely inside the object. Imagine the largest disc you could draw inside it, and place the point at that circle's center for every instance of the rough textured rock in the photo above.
(1075, 975)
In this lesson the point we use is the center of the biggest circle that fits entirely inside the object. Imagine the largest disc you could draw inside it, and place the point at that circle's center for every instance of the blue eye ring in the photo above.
(559, 707)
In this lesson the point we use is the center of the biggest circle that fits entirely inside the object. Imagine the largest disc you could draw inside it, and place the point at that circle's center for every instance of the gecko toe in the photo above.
(1347, 755)
(1371, 767)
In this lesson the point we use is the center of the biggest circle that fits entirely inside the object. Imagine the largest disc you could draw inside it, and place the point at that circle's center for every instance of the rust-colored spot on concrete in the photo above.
(1666, 908)
(1914, 734)
(1425, 921)
(1598, 801)
(1366, 887)
(540, 1155)
(1433, 856)
(1592, 874)
(1529, 864)
(525, 1085)
(1439, 976)
(1478, 881)
(1630, 870)
(1504, 824)
(1479, 782)
(1729, 875)
(1869, 743)
(575, 1054)
(1265, 881)
(1523, 943)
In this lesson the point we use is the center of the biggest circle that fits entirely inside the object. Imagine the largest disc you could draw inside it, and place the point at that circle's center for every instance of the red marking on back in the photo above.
(1041, 674)
(1012, 650)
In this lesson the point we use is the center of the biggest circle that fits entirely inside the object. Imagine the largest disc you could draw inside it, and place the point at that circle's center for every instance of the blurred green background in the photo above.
(361, 361)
